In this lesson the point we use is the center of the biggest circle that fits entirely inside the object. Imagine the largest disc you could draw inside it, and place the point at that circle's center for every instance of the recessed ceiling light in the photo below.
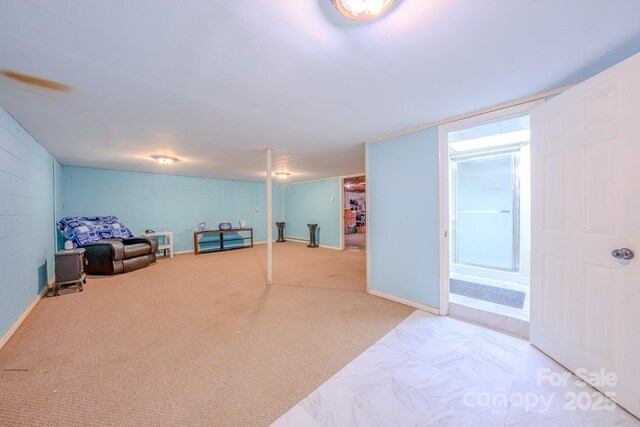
(282, 175)
(165, 160)
(362, 10)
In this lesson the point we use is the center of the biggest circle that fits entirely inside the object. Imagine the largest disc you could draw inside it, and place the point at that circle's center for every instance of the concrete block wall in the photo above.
(27, 233)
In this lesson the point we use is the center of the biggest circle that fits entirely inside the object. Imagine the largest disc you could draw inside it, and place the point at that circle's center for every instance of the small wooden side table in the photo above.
(165, 241)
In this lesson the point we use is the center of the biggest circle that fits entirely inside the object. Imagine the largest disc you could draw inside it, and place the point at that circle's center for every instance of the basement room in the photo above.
(319, 213)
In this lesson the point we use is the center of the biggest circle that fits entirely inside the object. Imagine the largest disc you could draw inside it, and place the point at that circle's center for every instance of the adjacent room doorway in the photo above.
(489, 213)
(354, 211)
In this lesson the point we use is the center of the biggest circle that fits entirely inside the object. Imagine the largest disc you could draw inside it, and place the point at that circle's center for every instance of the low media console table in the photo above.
(222, 241)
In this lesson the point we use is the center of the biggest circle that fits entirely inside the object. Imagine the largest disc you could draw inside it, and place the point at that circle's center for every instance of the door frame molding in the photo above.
(444, 177)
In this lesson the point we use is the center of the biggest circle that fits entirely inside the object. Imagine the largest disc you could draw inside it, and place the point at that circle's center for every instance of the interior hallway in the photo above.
(197, 340)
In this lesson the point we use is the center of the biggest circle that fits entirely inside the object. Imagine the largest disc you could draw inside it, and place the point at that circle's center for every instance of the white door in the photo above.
(585, 154)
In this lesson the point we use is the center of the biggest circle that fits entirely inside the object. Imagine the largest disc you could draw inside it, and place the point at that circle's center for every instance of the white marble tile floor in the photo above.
(439, 371)
(493, 320)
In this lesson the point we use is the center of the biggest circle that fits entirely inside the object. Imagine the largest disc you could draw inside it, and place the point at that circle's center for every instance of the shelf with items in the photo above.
(349, 217)
(235, 241)
(357, 215)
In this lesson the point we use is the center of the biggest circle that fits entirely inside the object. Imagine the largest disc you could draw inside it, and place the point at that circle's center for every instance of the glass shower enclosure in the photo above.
(486, 210)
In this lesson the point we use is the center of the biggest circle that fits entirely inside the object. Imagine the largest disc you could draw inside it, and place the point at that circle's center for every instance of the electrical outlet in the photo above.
(257, 209)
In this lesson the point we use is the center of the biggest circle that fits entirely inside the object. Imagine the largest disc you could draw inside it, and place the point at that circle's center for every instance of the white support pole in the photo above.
(269, 220)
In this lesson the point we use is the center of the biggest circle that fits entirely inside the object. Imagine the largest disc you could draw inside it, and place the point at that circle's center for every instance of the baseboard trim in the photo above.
(12, 330)
(410, 303)
(189, 251)
(263, 242)
(295, 240)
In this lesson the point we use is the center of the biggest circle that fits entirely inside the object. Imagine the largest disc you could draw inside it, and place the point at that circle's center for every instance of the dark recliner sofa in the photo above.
(113, 256)
(110, 247)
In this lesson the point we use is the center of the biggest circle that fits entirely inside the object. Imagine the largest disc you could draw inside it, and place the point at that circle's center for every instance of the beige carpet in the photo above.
(197, 340)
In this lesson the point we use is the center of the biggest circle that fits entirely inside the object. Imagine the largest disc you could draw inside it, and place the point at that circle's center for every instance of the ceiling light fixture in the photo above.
(282, 175)
(362, 10)
(165, 160)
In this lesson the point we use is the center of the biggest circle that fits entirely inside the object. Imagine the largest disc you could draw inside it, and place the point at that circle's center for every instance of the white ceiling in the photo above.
(216, 82)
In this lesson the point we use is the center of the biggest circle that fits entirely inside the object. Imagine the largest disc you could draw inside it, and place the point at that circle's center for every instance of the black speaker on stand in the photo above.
(280, 226)
(312, 236)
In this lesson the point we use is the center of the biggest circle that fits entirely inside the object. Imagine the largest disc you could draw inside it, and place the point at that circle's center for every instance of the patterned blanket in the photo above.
(88, 229)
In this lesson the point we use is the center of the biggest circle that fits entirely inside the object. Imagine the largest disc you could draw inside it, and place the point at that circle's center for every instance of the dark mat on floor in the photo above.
(502, 296)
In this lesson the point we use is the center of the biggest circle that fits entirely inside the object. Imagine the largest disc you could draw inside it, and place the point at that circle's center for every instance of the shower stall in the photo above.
(489, 216)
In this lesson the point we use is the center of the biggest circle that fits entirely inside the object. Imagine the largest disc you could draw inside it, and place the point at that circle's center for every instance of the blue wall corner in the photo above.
(311, 203)
(403, 221)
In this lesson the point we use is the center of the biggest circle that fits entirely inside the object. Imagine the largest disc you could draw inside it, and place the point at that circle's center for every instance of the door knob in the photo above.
(623, 253)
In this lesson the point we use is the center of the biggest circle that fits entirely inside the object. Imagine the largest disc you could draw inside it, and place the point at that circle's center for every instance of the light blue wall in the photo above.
(310, 203)
(27, 231)
(164, 202)
(403, 221)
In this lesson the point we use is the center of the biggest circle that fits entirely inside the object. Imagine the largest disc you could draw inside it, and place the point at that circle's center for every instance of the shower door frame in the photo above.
(516, 109)
(514, 153)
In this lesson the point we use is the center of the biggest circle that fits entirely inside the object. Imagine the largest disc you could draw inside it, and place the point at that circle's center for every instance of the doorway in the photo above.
(355, 213)
(489, 215)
